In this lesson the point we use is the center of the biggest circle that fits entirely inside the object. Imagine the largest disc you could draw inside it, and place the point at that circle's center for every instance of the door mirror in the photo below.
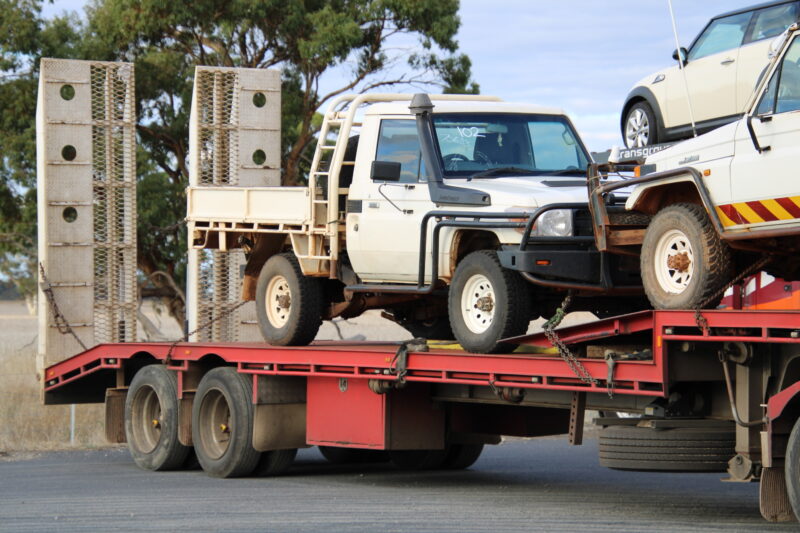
(385, 171)
(680, 55)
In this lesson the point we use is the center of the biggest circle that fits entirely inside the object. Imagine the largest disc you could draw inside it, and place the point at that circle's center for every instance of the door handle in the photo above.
(727, 61)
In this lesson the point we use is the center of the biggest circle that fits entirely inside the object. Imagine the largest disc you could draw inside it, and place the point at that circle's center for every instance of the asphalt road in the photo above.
(539, 485)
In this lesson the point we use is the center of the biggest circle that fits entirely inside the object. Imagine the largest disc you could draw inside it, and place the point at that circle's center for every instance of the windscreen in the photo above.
(479, 142)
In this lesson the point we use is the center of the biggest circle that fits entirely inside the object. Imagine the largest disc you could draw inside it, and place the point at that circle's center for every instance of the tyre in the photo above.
(288, 304)
(418, 459)
(222, 424)
(640, 127)
(151, 420)
(344, 456)
(487, 303)
(792, 468)
(683, 260)
(275, 462)
(462, 456)
(667, 450)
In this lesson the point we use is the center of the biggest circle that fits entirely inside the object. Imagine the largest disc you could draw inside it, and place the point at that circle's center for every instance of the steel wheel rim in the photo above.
(637, 129)
(478, 303)
(671, 244)
(215, 424)
(278, 301)
(146, 419)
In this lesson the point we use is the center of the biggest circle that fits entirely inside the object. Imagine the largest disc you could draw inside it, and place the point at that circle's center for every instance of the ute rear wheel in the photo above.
(683, 261)
(222, 424)
(288, 304)
(151, 420)
(487, 303)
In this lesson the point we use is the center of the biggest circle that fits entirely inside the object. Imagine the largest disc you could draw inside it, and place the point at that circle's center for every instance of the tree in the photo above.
(358, 40)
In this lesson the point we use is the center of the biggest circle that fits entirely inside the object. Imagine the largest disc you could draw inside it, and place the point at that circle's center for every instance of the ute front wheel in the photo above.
(222, 424)
(151, 420)
(683, 261)
(487, 303)
(288, 304)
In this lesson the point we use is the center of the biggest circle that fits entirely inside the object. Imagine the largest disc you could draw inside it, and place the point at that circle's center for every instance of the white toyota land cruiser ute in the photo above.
(435, 213)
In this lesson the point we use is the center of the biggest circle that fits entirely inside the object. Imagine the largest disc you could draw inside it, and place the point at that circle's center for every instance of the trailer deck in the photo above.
(377, 360)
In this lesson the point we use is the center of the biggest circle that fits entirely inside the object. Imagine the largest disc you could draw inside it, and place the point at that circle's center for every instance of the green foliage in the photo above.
(307, 39)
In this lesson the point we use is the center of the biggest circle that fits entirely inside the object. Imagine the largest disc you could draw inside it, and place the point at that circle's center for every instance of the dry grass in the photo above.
(26, 424)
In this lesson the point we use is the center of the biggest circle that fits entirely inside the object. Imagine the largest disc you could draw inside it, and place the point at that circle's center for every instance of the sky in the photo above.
(583, 56)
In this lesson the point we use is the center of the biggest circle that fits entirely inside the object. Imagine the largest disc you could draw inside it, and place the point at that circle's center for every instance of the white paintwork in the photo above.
(672, 243)
(478, 303)
(260, 205)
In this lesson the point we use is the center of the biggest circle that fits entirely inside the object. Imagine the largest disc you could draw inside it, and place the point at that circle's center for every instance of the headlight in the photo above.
(555, 223)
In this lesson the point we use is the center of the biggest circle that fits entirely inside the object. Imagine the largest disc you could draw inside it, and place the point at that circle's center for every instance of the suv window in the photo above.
(722, 34)
(771, 21)
(786, 80)
(398, 142)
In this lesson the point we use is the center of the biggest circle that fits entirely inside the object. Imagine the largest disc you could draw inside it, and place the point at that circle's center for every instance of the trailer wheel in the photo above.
(288, 304)
(670, 450)
(418, 459)
(462, 456)
(343, 456)
(275, 462)
(792, 465)
(487, 303)
(151, 420)
(222, 424)
(683, 260)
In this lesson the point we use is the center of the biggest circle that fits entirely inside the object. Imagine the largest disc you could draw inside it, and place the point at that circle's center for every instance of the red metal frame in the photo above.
(530, 371)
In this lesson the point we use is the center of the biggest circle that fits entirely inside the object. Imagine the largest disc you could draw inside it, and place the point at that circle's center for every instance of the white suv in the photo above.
(722, 66)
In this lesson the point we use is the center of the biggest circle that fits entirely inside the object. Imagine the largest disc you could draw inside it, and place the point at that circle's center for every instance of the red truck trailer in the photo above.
(716, 390)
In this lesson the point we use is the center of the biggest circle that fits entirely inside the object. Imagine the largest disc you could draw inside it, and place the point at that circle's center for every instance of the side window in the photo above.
(398, 142)
(789, 84)
(771, 21)
(722, 34)
(783, 92)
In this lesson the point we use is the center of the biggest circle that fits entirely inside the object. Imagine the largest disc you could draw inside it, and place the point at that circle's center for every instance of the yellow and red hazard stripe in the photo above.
(760, 211)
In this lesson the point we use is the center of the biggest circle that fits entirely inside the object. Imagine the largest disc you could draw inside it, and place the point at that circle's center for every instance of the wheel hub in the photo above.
(485, 303)
(674, 262)
(679, 262)
(278, 301)
(478, 303)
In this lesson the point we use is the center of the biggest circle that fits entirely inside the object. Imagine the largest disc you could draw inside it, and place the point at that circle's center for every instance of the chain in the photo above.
(574, 364)
(58, 317)
(201, 327)
(702, 323)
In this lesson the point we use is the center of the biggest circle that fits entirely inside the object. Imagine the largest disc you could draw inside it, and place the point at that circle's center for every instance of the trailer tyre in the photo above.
(683, 260)
(288, 304)
(487, 303)
(666, 450)
(151, 420)
(343, 456)
(462, 456)
(222, 424)
(792, 466)
(275, 462)
(419, 459)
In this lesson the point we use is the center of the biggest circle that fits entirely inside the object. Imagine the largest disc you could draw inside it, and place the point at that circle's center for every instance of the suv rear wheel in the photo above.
(641, 128)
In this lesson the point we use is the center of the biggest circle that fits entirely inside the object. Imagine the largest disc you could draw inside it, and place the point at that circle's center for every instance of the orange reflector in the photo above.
(543, 262)
(707, 172)
(658, 341)
(637, 171)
